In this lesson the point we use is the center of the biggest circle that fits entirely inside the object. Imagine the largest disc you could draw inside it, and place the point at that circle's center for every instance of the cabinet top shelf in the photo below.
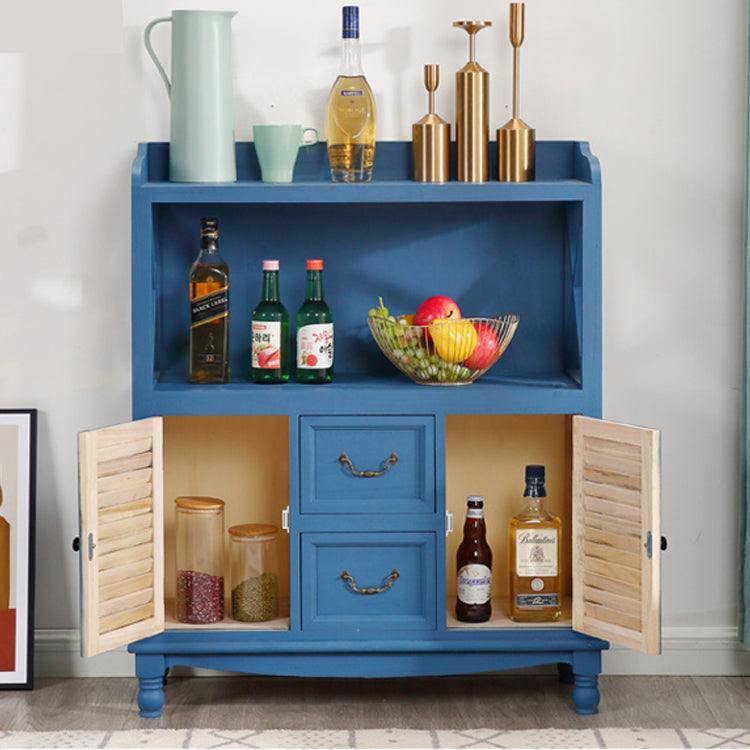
(566, 170)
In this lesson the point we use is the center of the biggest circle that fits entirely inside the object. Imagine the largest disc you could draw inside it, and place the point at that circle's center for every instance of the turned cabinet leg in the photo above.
(150, 696)
(586, 667)
(586, 693)
(151, 672)
(565, 672)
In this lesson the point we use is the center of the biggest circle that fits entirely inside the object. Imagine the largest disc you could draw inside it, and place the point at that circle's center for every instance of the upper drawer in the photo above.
(353, 465)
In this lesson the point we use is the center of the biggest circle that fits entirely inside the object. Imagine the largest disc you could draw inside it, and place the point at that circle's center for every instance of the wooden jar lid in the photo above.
(197, 502)
(253, 531)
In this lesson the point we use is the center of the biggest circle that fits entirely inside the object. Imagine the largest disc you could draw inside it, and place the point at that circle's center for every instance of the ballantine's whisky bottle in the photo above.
(534, 564)
(209, 310)
(350, 113)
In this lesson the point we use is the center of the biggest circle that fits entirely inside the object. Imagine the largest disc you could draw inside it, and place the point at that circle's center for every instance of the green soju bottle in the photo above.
(314, 331)
(269, 351)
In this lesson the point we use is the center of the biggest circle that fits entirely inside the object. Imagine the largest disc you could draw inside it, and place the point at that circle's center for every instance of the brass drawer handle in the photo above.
(370, 590)
(344, 461)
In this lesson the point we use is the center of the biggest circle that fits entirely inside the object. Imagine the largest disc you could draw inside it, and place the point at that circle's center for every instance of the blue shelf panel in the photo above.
(565, 171)
(275, 642)
(368, 395)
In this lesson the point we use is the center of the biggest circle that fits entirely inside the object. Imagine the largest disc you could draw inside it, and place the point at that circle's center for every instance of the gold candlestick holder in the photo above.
(472, 112)
(516, 141)
(431, 137)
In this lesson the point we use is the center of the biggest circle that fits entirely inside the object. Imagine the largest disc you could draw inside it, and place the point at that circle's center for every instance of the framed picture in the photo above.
(17, 499)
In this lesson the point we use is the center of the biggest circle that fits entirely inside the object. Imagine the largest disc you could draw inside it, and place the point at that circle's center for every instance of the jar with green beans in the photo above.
(254, 572)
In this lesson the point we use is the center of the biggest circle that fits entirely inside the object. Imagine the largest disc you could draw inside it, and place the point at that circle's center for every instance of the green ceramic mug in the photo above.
(277, 146)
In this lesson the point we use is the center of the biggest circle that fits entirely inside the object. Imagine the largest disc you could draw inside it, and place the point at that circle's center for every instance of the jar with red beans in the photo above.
(199, 557)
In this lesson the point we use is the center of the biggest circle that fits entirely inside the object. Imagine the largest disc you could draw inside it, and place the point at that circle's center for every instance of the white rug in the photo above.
(383, 738)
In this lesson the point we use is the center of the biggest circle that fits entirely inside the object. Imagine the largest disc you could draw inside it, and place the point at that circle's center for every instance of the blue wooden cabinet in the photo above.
(367, 515)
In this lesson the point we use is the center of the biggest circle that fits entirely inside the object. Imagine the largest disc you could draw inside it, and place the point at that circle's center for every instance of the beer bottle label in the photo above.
(474, 584)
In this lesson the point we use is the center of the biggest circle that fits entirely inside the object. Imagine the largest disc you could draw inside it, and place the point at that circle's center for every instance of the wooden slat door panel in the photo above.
(122, 534)
(616, 537)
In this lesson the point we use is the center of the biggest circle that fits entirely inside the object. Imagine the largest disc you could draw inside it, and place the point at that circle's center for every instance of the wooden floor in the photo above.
(494, 701)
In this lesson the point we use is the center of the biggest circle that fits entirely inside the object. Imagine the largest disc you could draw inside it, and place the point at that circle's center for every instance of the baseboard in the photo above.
(685, 651)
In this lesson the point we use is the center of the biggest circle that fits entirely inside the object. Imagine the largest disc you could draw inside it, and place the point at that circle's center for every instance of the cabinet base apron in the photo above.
(578, 658)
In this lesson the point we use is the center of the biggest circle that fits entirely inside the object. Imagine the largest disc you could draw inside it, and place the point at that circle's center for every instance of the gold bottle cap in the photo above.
(253, 531)
(199, 503)
(431, 137)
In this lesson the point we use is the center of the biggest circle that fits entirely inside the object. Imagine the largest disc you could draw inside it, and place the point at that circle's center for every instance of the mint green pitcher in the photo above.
(201, 143)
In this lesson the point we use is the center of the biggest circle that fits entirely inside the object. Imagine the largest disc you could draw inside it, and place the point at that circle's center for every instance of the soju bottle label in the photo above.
(474, 584)
(266, 345)
(536, 553)
(315, 346)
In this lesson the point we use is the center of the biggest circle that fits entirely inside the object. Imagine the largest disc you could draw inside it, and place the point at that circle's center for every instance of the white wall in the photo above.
(657, 87)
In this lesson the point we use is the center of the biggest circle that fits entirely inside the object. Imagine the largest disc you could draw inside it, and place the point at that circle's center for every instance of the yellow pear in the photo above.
(454, 339)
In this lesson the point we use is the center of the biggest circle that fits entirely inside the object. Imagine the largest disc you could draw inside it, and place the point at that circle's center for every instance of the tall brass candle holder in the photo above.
(516, 141)
(472, 112)
(431, 137)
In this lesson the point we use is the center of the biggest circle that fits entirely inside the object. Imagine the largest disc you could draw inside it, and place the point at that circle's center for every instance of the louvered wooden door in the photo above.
(616, 538)
(122, 536)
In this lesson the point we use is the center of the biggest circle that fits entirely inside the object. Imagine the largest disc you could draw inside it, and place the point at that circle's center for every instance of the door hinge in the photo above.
(448, 522)
(285, 519)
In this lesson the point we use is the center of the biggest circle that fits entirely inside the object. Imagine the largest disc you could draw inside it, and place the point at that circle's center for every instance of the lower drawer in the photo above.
(362, 581)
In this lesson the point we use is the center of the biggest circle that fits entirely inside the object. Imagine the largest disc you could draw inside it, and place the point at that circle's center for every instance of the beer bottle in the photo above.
(474, 566)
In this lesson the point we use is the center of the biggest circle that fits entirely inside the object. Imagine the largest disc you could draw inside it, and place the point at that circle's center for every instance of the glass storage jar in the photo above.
(254, 572)
(199, 557)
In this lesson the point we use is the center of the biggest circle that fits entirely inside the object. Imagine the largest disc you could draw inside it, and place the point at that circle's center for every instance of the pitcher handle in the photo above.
(152, 54)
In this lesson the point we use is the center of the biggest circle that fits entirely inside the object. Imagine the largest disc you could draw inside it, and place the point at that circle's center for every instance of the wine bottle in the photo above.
(350, 113)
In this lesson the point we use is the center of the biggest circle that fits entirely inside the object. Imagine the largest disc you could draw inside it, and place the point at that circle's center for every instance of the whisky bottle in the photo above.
(350, 112)
(269, 350)
(314, 330)
(209, 310)
(474, 566)
(534, 552)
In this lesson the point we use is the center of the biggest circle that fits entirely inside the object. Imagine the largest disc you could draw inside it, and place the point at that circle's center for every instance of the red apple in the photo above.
(438, 306)
(486, 352)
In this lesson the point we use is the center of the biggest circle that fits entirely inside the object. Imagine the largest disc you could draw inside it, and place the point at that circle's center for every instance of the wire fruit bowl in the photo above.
(445, 353)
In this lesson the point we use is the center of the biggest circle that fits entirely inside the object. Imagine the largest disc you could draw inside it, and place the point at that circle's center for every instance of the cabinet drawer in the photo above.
(402, 565)
(367, 464)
